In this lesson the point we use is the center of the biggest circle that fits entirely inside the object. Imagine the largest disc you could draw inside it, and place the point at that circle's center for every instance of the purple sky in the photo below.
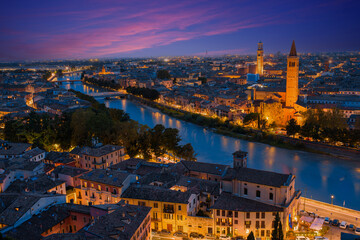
(50, 29)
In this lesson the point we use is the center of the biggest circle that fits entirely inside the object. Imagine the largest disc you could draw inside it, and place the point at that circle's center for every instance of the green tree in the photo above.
(186, 152)
(277, 233)
(250, 118)
(203, 80)
(157, 143)
(292, 127)
(163, 74)
(250, 236)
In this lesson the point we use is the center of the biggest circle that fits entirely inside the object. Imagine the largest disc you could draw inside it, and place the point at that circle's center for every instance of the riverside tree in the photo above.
(277, 233)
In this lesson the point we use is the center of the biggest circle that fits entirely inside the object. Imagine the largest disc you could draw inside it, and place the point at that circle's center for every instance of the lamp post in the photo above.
(332, 199)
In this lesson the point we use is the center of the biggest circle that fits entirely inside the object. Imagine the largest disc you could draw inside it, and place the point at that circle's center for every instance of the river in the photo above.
(317, 176)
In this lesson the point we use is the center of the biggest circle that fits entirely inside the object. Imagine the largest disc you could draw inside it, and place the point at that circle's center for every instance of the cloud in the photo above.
(96, 28)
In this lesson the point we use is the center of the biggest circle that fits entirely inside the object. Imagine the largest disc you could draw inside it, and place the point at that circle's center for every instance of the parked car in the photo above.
(312, 214)
(302, 238)
(351, 227)
(327, 220)
(196, 235)
(343, 225)
(180, 234)
(165, 232)
(210, 236)
(357, 231)
(335, 222)
(224, 237)
(320, 238)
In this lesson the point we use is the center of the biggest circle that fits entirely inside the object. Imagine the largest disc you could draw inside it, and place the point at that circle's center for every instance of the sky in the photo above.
(73, 29)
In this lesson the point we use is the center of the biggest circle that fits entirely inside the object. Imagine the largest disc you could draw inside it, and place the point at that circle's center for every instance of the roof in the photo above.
(13, 206)
(119, 224)
(153, 193)
(32, 153)
(210, 168)
(228, 201)
(109, 177)
(9, 148)
(39, 183)
(293, 50)
(37, 224)
(97, 151)
(258, 176)
(69, 171)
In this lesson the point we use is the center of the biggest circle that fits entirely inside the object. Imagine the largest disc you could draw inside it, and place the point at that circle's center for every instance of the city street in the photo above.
(331, 211)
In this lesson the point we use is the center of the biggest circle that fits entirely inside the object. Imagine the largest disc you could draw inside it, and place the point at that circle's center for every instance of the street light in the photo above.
(332, 199)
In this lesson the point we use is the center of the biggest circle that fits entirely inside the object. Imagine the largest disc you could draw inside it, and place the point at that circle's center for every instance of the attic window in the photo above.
(17, 209)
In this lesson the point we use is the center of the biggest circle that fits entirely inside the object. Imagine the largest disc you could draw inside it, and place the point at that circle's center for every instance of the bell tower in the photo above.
(239, 159)
(260, 59)
(292, 77)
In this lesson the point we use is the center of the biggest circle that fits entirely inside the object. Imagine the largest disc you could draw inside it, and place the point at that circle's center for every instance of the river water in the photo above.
(317, 176)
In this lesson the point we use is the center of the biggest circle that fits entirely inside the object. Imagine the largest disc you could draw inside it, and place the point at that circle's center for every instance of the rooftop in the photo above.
(227, 201)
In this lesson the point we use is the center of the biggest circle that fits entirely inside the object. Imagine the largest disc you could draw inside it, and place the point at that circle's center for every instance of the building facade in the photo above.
(292, 77)
(260, 59)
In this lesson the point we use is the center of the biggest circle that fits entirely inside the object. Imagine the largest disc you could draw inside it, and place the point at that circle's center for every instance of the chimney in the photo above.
(239, 159)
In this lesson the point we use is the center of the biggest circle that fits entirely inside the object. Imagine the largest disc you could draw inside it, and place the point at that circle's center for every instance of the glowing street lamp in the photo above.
(332, 199)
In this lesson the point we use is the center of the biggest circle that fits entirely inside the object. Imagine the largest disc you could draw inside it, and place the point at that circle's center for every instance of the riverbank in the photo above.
(238, 132)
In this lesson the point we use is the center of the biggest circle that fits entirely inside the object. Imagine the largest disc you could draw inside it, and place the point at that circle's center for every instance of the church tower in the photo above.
(260, 59)
(292, 77)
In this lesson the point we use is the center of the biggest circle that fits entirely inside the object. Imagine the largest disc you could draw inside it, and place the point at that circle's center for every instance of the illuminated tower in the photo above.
(260, 59)
(292, 77)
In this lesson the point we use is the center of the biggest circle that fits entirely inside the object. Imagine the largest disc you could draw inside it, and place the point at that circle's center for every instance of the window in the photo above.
(257, 215)
(73, 217)
(263, 233)
(262, 215)
(267, 233)
(247, 215)
(262, 224)
(236, 221)
(258, 193)
(223, 213)
(218, 212)
(99, 187)
(179, 217)
(156, 205)
(271, 196)
(247, 224)
(179, 207)
(257, 224)
(236, 214)
(245, 191)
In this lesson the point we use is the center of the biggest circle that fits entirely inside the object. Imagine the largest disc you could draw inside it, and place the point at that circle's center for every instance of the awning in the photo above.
(306, 219)
(317, 224)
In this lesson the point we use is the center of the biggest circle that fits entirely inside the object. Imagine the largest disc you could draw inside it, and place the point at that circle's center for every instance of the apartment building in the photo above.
(169, 209)
(102, 186)
(100, 157)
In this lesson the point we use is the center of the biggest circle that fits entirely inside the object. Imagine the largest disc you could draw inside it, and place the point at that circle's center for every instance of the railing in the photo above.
(168, 210)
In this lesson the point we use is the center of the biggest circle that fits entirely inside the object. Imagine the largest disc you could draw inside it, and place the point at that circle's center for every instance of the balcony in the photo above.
(168, 210)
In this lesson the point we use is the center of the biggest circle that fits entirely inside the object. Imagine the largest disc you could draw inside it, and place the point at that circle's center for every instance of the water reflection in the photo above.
(321, 175)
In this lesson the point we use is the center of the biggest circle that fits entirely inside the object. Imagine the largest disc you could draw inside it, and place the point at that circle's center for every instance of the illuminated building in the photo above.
(260, 59)
(292, 77)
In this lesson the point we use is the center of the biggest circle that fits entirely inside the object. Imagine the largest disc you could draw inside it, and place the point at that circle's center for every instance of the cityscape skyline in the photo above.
(44, 30)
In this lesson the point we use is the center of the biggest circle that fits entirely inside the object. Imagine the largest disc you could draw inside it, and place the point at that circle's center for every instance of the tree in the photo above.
(277, 233)
(163, 74)
(186, 152)
(250, 236)
(157, 145)
(292, 127)
(203, 80)
(250, 118)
